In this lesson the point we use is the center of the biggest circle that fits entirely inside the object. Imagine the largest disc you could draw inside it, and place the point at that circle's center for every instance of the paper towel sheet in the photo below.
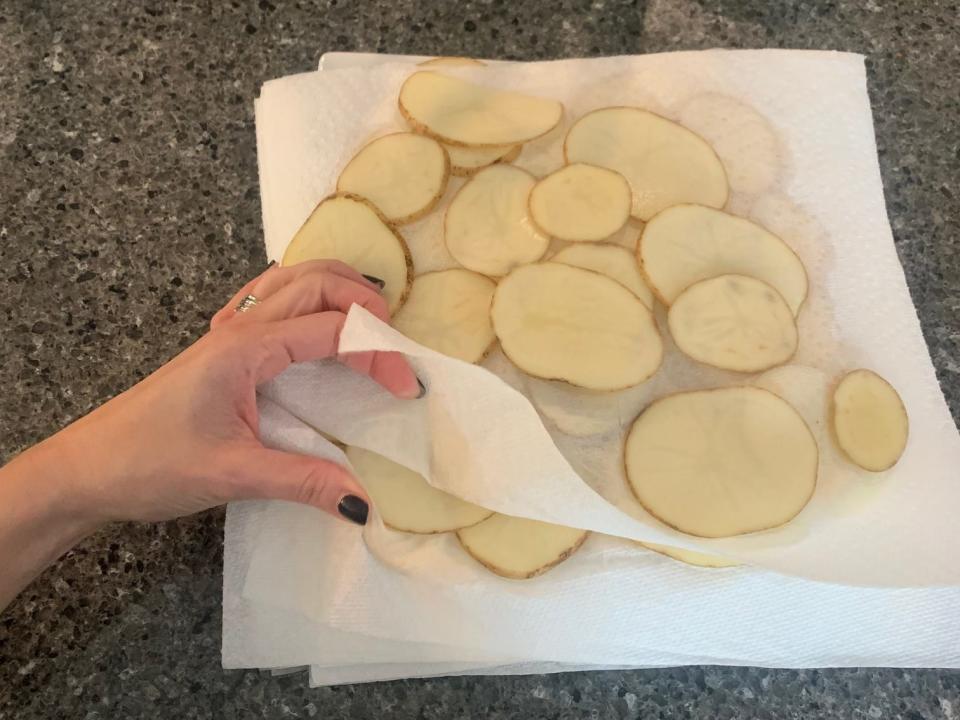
(613, 602)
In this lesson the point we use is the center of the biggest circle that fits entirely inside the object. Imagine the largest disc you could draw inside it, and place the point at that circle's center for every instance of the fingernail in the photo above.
(375, 280)
(423, 389)
(271, 264)
(354, 509)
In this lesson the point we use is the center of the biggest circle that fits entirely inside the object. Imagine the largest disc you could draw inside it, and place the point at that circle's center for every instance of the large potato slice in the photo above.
(349, 228)
(403, 174)
(406, 501)
(723, 462)
(664, 163)
(519, 548)
(691, 557)
(451, 61)
(465, 161)
(733, 322)
(449, 311)
(581, 203)
(869, 420)
(460, 112)
(613, 261)
(689, 243)
(560, 322)
(487, 228)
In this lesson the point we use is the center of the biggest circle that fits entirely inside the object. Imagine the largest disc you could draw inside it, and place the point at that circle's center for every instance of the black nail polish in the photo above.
(271, 264)
(423, 389)
(354, 509)
(375, 280)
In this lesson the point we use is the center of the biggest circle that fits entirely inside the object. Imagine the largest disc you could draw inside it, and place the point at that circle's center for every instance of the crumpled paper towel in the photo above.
(303, 589)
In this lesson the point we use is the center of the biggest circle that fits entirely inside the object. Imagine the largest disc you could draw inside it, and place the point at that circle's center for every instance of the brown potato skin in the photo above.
(509, 157)
(435, 532)
(539, 571)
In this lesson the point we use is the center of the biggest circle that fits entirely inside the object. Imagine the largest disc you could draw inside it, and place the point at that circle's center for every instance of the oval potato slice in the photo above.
(689, 243)
(717, 463)
(403, 174)
(733, 322)
(519, 548)
(665, 163)
(869, 420)
(449, 311)
(349, 228)
(465, 161)
(614, 261)
(487, 228)
(460, 112)
(406, 501)
(451, 61)
(581, 203)
(691, 557)
(559, 322)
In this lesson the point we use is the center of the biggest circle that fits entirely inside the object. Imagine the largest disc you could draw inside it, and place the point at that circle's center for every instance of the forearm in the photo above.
(43, 513)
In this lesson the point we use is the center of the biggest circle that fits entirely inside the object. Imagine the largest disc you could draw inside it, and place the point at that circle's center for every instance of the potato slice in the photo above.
(465, 161)
(665, 163)
(870, 423)
(460, 112)
(449, 311)
(406, 501)
(519, 548)
(349, 228)
(560, 322)
(614, 261)
(581, 203)
(451, 61)
(689, 243)
(716, 463)
(733, 322)
(403, 174)
(691, 557)
(487, 228)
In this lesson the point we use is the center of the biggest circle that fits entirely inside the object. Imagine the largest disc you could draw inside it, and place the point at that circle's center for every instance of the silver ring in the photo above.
(248, 302)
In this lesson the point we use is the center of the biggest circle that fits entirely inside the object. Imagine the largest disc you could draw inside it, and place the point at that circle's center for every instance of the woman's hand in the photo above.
(186, 438)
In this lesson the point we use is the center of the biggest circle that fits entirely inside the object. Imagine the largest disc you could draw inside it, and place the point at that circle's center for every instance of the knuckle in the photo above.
(315, 487)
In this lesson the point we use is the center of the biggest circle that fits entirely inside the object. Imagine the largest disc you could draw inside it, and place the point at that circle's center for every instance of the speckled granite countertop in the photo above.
(129, 212)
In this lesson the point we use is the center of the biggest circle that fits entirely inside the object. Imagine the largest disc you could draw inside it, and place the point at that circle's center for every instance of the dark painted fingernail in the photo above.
(375, 280)
(423, 389)
(353, 509)
(271, 264)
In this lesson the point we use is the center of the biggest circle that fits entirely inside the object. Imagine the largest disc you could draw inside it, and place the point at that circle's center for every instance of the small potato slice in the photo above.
(869, 420)
(403, 174)
(559, 322)
(349, 228)
(665, 163)
(581, 203)
(460, 112)
(733, 322)
(449, 311)
(691, 557)
(465, 161)
(406, 501)
(519, 548)
(487, 228)
(717, 463)
(689, 243)
(451, 61)
(614, 261)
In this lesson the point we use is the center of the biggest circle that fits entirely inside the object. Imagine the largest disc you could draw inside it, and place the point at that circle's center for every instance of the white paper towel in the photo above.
(422, 590)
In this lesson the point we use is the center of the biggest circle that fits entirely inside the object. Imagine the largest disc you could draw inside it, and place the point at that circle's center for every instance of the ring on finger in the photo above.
(248, 302)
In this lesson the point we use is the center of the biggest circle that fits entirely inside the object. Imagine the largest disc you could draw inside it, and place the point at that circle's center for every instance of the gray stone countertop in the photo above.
(129, 212)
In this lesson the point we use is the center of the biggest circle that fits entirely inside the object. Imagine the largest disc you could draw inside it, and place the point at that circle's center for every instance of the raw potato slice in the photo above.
(581, 203)
(716, 463)
(559, 322)
(449, 311)
(349, 228)
(406, 501)
(519, 548)
(614, 261)
(665, 163)
(460, 112)
(869, 420)
(451, 62)
(733, 322)
(689, 243)
(486, 227)
(691, 557)
(403, 174)
(465, 161)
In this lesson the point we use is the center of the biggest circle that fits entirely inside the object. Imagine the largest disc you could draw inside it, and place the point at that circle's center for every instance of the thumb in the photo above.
(277, 475)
